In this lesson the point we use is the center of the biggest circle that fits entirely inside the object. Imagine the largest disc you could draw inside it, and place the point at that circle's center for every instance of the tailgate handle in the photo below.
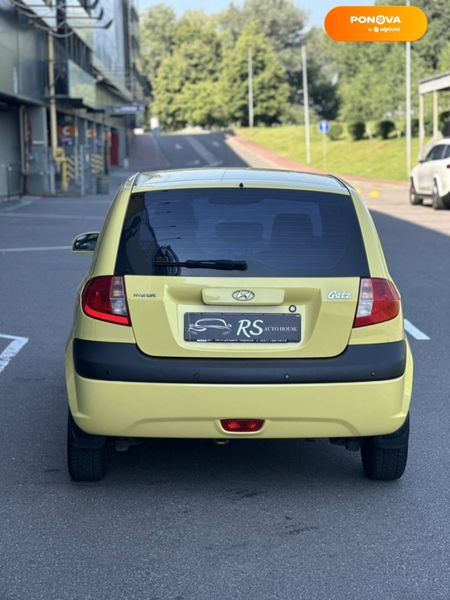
(224, 296)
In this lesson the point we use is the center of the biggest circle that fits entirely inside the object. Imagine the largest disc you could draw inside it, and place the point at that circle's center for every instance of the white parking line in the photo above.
(416, 333)
(15, 346)
(22, 204)
(37, 248)
(82, 201)
(48, 216)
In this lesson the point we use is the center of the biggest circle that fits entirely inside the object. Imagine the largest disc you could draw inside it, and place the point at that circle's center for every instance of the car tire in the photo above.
(85, 462)
(384, 457)
(437, 202)
(413, 198)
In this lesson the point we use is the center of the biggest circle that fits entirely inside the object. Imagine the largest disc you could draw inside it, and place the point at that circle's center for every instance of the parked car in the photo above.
(289, 266)
(430, 178)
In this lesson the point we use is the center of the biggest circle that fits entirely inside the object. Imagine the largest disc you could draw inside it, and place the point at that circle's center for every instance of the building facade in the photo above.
(70, 93)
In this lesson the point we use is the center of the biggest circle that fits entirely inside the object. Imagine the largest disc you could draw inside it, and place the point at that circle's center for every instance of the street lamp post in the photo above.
(250, 87)
(306, 105)
(408, 104)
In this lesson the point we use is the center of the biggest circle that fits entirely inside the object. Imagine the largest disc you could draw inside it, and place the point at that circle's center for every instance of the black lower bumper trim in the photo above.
(125, 362)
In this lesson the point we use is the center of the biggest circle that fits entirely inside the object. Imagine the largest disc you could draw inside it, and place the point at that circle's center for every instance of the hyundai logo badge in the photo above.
(243, 295)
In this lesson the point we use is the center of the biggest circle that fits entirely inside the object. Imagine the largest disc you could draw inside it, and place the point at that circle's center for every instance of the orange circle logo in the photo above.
(376, 23)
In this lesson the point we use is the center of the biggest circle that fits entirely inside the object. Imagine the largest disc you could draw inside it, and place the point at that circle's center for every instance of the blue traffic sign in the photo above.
(324, 126)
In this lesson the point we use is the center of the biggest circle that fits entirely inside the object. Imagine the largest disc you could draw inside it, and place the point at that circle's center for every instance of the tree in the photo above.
(203, 104)
(199, 44)
(270, 90)
(365, 90)
(158, 26)
(168, 85)
(195, 59)
(281, 21)
(444, 58)
(229, 24)
(195, 25)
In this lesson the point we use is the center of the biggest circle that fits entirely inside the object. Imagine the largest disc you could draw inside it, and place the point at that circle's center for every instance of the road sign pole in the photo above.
(324, 128)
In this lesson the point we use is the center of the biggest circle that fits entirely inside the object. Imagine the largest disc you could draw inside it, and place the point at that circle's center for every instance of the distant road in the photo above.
(151, 152)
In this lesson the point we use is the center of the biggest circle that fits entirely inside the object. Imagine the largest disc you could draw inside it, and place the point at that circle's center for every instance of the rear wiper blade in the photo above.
(222, 265)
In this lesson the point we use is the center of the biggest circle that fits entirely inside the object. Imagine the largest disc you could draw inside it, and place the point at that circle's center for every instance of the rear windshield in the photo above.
(276, 233)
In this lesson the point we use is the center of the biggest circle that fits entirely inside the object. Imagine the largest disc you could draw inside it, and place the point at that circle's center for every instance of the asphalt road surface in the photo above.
(189, 520)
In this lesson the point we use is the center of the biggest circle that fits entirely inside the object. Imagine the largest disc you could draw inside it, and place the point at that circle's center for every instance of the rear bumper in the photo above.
(110, 361)
(194, 410)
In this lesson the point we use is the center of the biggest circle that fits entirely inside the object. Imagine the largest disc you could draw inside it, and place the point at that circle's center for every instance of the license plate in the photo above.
(242, 328)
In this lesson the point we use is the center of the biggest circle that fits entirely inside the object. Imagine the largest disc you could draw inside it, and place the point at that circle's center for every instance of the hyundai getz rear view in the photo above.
(238, 303)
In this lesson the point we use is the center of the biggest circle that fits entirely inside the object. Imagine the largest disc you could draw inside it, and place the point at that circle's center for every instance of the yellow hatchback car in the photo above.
(237, 303)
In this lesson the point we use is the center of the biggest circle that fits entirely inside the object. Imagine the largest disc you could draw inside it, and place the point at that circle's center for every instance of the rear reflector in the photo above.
(242, 425)
(379, 301)
(104, 298)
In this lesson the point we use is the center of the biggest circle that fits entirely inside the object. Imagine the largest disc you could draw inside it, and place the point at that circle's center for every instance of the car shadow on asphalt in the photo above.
(241, 464)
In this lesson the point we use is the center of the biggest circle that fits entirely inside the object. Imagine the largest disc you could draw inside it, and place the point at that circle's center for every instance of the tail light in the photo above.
(104, 298)
(378, 301)
(242, 425)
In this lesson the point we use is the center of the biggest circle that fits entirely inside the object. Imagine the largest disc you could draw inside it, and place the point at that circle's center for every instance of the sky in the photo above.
(316, 9)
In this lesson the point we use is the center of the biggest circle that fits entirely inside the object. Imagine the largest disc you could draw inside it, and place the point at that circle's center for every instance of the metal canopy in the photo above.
(433, 85)
(438, 83)
(69, 102)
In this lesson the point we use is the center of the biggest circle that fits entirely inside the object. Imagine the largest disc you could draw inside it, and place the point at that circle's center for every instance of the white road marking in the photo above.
(47, 216)
(15, 346)
(216, 144)
(203, 152)
(17, 206)
(416, 333)
(37, 248)
(178, 147)
(82, 201)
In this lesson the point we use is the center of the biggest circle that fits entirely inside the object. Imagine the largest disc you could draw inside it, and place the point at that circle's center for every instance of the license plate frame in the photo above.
(242, 328)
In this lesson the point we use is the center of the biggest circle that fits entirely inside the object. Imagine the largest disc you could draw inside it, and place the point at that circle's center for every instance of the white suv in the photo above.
(431, 177)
